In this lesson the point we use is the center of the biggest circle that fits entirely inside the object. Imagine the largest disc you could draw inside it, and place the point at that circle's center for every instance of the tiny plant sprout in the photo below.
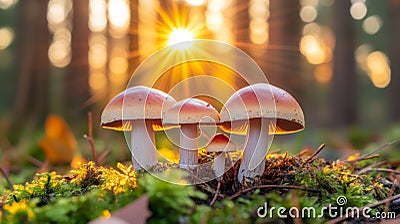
(221, 145)
(252, 111)
(139, 110)
(189, 113)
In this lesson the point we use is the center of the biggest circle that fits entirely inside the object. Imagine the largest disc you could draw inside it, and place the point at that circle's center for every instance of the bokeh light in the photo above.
(358, 10)
(119, 17)
(378, 69)
(97, 15)
(361, 55)
(308, 13)
(5, 4)
(60, 53)
(6, 37)
(259, 14)
(372, 24)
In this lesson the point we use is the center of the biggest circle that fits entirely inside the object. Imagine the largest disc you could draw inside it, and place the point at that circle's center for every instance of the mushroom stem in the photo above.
(143, 148)
(188, 151)
(219, 165)
(253, 161)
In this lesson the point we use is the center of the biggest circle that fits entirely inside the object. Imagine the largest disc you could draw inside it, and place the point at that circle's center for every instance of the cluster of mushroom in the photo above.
(250, 111)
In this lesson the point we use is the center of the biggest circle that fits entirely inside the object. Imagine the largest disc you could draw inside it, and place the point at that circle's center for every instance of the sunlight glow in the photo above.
(180, 35)
(97, 15)
(378, 69)
(218, 20)
(59, 18)
(60, 53)
(196, 2)
(98, 61)
(372, 24)
(57, 13)
(6, 37)
(147, 26)
(259, 14)
(119, 17)
(315, 50)
(323, 73)
(97, 51)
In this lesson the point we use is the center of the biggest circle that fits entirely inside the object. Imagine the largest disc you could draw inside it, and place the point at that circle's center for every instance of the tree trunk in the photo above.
(241, 25)
(76, 85)
(31, 96)
(394, 55)
(282, 61)
(134, 39)
(343, 86)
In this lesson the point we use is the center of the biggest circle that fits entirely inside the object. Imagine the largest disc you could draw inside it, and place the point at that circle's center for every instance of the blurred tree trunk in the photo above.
(76, 85)
(343, 87)
(282, 62)
(134, 38)
(31, 101)
(241, 25)
(394, 55)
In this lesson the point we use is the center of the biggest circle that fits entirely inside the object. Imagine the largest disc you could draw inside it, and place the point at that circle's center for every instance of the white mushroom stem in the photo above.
(188, 151)
(143, 147)
(253, 161)
(219, 165)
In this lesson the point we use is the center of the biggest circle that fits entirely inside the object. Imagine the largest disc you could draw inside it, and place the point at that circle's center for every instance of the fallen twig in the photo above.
(361, 158)
(397, 172)
(216, 193)
(390, 195)
(379, 203)
(89, 137)
(382, 147)
(364, 170)
(313, 156)
(5, 175)
(372, 154)
(274, 186)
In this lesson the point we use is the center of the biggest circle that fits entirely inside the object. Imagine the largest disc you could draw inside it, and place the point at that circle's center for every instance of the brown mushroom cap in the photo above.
(191, 111)
(136, 103)
(262, 100)
(220, 143)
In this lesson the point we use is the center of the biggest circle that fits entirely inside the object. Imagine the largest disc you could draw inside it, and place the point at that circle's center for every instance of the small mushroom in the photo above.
(139, 110)
(251, 110)
(189, 113)
(221, 145)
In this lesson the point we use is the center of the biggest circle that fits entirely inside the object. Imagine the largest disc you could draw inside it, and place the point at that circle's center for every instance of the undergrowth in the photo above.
(96, 191)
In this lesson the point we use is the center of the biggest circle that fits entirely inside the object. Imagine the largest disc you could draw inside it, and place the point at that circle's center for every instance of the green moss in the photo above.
(94, 191)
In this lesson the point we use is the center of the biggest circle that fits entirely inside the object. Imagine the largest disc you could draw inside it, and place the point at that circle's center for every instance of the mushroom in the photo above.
(252, 110)
(189, 113)
(139, 110)
(221, 145)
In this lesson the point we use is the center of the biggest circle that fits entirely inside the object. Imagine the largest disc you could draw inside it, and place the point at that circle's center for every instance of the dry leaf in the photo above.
(59, 143)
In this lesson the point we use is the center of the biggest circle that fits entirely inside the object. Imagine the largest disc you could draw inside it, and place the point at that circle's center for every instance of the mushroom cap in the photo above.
(262, 100)
(191, 111)
(220, 143)
(136, 103)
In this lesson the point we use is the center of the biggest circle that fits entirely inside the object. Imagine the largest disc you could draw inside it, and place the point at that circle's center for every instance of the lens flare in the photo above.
(180, 35)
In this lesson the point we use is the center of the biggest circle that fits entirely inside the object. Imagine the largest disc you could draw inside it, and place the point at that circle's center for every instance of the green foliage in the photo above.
(95, 191)
(167, 201)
